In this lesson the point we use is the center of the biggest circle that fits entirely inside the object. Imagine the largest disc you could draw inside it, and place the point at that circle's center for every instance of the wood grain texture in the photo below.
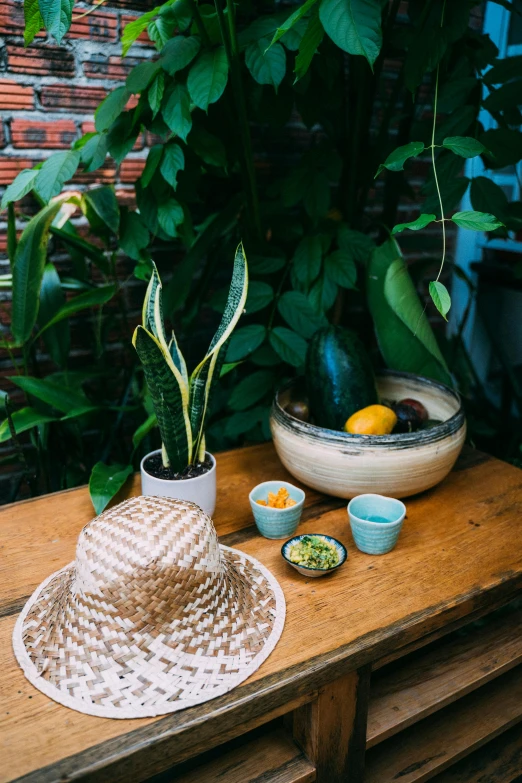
(274, 758)
(448, 736)
(370, 608)
(420, 685)
(331, 729)
(500, 761)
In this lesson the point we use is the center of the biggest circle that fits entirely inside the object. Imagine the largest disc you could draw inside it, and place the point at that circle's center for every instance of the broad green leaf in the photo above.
(155, 93)
(265, 356)
(311, 39)
(354, 25)
(244, 421)
(396, 159)
(290, 346)
(170, 216)
(440, 297)
(244, 341)
(153, 160)
(173, 162)
(207, 78)
(340, 267)
(404, 334)
(266, 264)
(92, 298)
(307, 259)
(54, 394)
(178, 53)
(503, 147)
(56, 170)
(504, 70)
(160, 31)
(94, 152)
(33, 21)
(262, 27)
(206, 374)
(251, 389)
(299, 313)
(105, 482)
(267, 66)
(465, 146)
(121, 137)
(110, 108)
(20, 186)
(476, 221)
(455, 93)
(292, 20)
(134, 29)
(23, 420)
(56, 16)
(141, 76)
(210, 148)
(57, 339)
(143, 430)
(134, 236)
(414, 225)
(505, 98)
(76, 243)
(458, 123)
(177, 112)
(260, 295)
(102, 201)
(169, 397)
(28, 271)
(487, 196)
(322, 294)
(228, 367)
(360, 246)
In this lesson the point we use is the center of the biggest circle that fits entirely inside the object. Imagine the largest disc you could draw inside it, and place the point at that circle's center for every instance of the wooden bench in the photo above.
(384, 672)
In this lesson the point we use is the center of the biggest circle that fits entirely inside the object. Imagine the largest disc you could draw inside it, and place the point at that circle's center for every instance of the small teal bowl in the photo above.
(306, 570)
(276, 522)
(376, 522)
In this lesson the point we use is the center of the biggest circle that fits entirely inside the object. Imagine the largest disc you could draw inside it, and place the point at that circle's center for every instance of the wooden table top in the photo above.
(459, 551)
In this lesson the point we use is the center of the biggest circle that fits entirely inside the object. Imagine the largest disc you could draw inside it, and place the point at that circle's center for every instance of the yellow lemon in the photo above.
(373, 420)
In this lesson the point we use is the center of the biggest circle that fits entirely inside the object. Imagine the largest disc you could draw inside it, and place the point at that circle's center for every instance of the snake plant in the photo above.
(181, 402)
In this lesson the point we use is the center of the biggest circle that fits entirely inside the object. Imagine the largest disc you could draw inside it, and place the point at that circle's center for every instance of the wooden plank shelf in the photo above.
(272, 758)
(428, 680)
(500, 761)
(437, 742)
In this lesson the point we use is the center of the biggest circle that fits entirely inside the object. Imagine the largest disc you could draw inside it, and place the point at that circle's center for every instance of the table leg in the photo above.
(332, 729)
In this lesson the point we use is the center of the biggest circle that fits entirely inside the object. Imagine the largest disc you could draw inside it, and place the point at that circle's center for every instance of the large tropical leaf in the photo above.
(28, 271)
(169, 397)
(92, 298)
(57, 339)
(207, 372)
(105, 482)
(22, 420)
(56, 170)
(207, 78)
(52, 393)
(56, 16)
(354, 25)
(403, 331)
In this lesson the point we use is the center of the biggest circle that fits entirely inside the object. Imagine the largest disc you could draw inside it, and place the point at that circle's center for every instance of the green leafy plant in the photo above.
(221, 98)
(182, 403)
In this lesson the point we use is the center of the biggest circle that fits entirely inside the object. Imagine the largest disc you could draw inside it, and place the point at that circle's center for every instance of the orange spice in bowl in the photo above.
(281, 499)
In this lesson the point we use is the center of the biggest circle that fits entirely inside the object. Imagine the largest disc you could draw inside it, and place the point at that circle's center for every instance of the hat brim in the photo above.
(251, 570)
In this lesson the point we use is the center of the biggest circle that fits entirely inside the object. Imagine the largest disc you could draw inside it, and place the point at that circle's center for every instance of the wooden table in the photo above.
(458, 557)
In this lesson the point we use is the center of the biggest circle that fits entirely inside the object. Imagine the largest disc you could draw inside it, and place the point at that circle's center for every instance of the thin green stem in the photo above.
(435, 172)
(199, 23)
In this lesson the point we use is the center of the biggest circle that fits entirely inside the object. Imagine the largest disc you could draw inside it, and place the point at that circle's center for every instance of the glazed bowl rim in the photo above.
(399, 440)
(381, 525)
(309, 568)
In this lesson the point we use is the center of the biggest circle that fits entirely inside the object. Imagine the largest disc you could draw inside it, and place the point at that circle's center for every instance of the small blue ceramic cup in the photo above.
(376, 522)
(276, 522)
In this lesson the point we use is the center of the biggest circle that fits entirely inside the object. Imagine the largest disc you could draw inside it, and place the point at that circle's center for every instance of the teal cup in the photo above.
(376, 522)
(276, 522)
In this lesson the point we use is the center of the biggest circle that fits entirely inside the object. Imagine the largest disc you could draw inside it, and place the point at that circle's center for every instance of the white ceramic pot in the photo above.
(345, 465)
(200, 490)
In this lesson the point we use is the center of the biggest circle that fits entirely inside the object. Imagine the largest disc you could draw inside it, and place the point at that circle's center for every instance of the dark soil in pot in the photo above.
(154, 467)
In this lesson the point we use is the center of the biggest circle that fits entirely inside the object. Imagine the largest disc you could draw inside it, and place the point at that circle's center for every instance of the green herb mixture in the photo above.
(314, 552)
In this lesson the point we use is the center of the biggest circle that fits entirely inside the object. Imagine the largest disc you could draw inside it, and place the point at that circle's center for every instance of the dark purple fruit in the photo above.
(422, 413)
(298, 409)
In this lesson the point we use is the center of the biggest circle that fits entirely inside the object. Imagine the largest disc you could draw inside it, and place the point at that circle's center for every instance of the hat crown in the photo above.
(124, 542)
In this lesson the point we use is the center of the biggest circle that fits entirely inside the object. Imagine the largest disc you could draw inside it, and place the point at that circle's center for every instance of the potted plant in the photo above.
(182, 468)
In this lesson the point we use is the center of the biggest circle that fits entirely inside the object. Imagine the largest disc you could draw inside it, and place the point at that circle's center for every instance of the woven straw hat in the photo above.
(152, 616)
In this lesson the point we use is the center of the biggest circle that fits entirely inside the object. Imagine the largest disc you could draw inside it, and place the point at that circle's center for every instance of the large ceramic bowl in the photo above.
(345, 465)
